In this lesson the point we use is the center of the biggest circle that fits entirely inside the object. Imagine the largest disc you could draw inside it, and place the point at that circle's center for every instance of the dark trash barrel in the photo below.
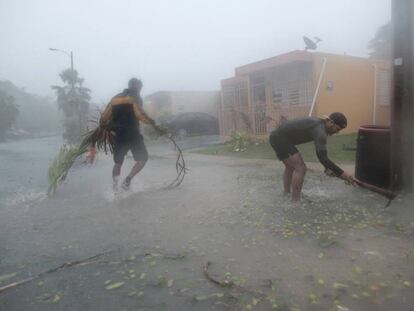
(373, 155)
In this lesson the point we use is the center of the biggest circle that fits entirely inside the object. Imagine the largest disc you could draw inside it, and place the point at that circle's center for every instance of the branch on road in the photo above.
(179, 166)
(68, 264)
(226, 283)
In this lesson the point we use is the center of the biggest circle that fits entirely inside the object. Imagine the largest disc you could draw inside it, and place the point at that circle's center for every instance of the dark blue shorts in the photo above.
(135, 143)
(282, 146)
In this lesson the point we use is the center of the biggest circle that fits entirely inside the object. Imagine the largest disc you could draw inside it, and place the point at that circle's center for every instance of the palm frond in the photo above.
(99, 138)
(61, 165)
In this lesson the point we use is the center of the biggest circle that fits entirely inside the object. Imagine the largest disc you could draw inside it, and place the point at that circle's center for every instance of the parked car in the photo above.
(193, 124)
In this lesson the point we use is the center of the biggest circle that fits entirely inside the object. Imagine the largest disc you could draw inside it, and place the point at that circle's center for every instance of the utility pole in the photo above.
(72, 71)
(402, 113)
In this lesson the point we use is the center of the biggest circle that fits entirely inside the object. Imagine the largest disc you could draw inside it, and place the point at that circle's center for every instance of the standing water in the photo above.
(23, 169)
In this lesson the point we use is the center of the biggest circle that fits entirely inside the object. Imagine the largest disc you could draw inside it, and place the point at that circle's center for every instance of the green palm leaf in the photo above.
(100, 137)
(61, 165)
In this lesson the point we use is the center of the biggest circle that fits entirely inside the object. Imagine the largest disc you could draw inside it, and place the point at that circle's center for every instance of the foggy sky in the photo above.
(171, 45)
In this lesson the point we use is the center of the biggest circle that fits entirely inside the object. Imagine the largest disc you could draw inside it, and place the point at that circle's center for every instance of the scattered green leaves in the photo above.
(114, 285)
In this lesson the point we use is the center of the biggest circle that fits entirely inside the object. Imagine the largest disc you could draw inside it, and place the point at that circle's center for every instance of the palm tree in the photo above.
(73, 99)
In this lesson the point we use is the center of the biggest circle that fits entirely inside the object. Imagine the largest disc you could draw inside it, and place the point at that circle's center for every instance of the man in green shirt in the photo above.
(295, 132)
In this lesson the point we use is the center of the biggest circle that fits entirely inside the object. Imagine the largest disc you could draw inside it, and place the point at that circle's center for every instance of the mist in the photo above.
(175, 46)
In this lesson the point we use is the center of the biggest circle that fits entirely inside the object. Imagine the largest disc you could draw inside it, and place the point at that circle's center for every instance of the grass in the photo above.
(263, 150)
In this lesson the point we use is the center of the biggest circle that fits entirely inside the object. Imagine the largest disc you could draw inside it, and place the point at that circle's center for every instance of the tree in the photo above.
(8, 114)
(380, 45)
(47, 117)
(73, 99)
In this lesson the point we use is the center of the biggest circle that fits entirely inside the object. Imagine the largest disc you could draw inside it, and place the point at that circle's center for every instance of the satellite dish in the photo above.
(310, 45)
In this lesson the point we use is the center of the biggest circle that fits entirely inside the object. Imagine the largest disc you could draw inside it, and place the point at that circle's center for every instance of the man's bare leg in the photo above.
(298, 175)
(138, 166)
(287, 179)
(116, 171)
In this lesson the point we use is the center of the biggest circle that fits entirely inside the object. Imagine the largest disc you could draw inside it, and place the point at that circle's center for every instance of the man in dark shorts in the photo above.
(295, 132)
(122, 116)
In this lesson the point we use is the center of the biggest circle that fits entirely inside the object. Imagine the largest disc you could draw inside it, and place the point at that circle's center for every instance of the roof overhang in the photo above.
(291, 57)
(233, 81)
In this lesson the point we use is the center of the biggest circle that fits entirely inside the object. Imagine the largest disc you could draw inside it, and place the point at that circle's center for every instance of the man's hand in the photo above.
(348, 178)
(161, 130)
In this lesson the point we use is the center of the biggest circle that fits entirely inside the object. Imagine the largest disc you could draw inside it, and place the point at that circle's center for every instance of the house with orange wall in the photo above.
(263, 94)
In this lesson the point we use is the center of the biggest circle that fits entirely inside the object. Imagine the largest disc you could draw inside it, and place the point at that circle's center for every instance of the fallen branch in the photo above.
(175, 256)
(211, 279)
(179, 166)
(390, 195)
(164, 256)
(386, 193)
(63, 266)
(227, 284)
(15, 284)
(100, 138)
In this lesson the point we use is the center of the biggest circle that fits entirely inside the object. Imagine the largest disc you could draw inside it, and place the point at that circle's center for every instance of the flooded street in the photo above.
(227, 223)
(23, 169)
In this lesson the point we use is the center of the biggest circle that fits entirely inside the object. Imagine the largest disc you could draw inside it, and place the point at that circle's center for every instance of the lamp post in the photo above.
(70, 54)
(72, 81)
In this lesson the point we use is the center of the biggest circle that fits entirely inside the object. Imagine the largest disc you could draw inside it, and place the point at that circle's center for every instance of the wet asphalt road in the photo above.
(340, 249)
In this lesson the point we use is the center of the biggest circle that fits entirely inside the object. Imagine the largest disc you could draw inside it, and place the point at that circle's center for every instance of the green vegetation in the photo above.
(8, 114)
(380, 45)
(37, 114)
(263, 150)
(73, 99)
(60, 166)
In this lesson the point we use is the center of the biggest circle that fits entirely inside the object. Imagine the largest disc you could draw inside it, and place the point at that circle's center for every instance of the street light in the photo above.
(71, 64)
(72, 81)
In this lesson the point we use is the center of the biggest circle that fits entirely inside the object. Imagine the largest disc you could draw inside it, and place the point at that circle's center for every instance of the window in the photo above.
(293, 96)
(235, 95)
(292, 85)
(277, 96)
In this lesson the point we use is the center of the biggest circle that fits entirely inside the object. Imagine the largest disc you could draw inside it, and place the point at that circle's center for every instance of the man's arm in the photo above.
(106, 115)
(344, 176)
(328, 164)
(332, 169)
(141, 115)
(322, 154)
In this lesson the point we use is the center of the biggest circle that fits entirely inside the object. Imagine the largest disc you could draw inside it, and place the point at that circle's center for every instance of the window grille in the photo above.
(229, 97)
(292, 85)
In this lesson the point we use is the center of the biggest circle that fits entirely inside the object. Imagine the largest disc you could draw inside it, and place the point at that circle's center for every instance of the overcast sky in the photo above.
(171, 45)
